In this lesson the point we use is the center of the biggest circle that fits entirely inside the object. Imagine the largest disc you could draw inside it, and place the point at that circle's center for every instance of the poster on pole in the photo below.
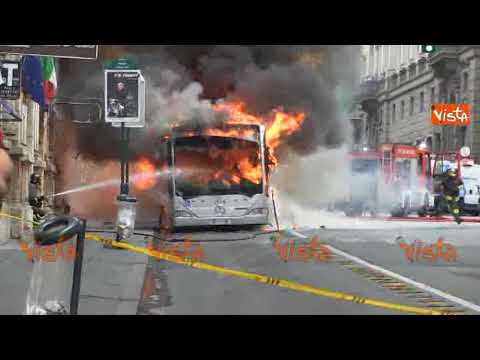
(141, 99)
(122, 90)
(9, 80)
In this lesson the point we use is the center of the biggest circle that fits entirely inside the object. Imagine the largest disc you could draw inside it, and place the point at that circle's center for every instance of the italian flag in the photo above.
(49, 78)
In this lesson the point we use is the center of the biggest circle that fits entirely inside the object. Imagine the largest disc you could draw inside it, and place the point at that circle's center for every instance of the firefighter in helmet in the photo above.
(451, 193)
(35, 198)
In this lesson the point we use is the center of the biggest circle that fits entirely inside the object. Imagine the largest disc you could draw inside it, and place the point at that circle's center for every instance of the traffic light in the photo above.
(429, 49)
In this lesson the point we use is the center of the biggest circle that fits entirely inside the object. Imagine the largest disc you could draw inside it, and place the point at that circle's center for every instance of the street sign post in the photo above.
(124, 108)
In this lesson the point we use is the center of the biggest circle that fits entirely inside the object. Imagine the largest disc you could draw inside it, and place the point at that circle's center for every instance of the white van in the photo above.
(470, 193)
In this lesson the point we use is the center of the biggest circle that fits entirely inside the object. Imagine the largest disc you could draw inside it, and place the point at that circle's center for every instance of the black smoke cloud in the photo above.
(183, 80)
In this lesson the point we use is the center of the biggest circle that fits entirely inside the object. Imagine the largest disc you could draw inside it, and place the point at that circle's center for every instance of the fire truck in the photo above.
(363, 183)
(406, 185)
(396, 178)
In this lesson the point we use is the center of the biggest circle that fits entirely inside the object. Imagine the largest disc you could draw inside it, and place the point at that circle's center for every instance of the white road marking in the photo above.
(401, 278)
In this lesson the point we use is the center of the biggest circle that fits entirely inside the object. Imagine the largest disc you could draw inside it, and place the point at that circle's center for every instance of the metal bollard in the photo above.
(127, 213)
(56, 276)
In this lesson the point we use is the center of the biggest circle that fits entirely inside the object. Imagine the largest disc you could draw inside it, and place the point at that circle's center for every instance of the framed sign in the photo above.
(122, 89)
(141, 103)
(88, 52)
(9, 80)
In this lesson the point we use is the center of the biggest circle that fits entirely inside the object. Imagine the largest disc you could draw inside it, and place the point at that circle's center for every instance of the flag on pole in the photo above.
(49, 78)
(32, 79)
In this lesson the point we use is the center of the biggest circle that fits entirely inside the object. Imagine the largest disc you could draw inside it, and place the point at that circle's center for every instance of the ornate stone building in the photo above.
(400, 84)
(30, 144)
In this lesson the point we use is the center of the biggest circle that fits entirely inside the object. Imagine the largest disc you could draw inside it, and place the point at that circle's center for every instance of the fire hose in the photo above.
(262, 279)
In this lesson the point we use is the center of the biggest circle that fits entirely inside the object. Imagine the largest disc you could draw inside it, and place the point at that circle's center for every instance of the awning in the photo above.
(6, 108)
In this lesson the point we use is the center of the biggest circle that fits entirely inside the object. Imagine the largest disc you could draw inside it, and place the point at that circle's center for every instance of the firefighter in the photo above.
(34, 197)
(451, 193)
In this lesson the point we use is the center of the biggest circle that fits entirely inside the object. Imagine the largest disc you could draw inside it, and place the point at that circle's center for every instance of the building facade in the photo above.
(30, 144)
(399, 85)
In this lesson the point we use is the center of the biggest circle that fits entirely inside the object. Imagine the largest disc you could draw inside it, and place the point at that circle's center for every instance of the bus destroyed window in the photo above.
(207, 166)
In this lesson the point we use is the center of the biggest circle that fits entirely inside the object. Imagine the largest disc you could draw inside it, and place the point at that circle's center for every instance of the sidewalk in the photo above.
(112, 280)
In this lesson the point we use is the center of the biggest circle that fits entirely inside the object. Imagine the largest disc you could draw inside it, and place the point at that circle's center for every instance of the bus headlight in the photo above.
(180, 214)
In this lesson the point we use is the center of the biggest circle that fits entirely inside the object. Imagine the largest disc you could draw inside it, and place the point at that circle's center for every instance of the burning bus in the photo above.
(218, 176)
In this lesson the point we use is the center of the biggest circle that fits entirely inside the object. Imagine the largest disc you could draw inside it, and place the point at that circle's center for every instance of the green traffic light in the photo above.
(429, 49)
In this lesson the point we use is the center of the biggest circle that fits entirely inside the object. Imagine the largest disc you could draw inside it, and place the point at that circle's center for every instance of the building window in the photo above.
(393, 81)
(402, 111)
(465, 82)
(394, 113)
(412, 106)
(422, 102)
(422, 65)
(413, 71)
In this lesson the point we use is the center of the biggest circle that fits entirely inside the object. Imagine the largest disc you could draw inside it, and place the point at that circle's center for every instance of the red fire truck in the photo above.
(364, 181)
(406, 185)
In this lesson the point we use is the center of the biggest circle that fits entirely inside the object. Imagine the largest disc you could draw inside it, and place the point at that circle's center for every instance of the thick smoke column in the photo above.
(181, 78)
(184, 80)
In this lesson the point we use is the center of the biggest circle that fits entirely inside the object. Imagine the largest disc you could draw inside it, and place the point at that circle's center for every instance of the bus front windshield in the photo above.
(207, 166)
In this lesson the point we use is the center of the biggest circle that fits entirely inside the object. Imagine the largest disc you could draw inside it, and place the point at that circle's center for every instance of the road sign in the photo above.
(87, 52)
(9, 80)
(121, 64)
(465, 152)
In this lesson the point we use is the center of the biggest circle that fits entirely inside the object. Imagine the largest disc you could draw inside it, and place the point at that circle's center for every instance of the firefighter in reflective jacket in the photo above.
(451, 192)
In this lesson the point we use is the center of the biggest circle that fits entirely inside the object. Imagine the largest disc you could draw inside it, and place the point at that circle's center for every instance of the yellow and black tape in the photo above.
(272, 281)
(256, 277)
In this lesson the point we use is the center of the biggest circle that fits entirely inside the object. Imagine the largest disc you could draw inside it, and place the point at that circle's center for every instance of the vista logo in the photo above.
(454, 115)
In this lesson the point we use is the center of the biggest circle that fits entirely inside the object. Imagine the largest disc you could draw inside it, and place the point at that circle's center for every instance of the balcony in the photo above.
(445, 61)
(369, 90)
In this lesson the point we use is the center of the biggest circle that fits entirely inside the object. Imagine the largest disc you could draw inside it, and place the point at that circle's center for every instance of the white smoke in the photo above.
(173, 103)
(310, 183)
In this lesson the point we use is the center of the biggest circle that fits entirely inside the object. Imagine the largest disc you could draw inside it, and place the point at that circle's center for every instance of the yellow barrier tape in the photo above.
(255, 277)
(18, 218)
(269, 280)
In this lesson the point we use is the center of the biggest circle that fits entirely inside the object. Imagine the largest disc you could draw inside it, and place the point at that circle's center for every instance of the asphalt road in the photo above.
(171, 289)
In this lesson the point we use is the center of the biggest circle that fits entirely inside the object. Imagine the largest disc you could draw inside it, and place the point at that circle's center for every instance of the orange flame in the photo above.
(234, 165)
(145, 175)
(279, 125)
